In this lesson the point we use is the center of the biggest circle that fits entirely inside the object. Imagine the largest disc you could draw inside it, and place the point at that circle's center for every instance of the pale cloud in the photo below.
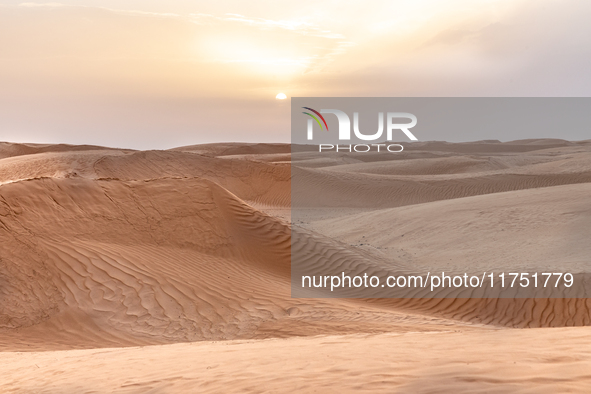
(40, 5)
(226, 38)
(306, 61)
(299, 26)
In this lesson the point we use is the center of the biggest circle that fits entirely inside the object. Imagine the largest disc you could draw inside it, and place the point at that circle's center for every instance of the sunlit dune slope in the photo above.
(8, 149)
(261, 182)
(152, 260)
(90, 263)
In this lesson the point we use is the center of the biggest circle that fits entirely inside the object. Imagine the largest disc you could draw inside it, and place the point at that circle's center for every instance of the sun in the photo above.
(281, 96)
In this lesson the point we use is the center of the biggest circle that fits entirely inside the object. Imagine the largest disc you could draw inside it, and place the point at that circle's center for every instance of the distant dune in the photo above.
(182, 248)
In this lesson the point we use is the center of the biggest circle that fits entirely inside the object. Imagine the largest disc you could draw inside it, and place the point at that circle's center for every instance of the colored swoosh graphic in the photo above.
(315, 118)
(317, 113)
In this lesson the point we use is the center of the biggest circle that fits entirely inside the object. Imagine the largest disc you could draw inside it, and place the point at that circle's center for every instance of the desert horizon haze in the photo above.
(295, 197)
(156, 75)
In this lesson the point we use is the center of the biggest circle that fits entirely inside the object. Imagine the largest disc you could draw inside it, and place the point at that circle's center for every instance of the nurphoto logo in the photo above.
(344, 130)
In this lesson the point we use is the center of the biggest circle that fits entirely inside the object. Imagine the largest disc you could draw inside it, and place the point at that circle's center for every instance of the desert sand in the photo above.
(169, 271)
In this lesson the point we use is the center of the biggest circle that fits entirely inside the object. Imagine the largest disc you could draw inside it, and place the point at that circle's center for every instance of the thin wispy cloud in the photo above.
(115, 10)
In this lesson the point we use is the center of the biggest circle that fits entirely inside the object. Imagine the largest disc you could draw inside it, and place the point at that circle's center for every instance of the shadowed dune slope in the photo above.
(322, 188)
(380, 181)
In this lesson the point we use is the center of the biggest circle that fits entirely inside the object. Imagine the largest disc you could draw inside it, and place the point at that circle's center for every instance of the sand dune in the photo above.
(400, 181)
(179, 249)
(256, 181)
(8, 149)
(115, 268)
(537, 228)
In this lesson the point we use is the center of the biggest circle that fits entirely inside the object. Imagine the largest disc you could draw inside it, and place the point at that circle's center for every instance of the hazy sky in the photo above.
(158, 74)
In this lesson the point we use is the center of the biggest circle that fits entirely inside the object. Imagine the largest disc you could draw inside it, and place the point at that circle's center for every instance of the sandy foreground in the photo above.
(169, 271)
(487, 361)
